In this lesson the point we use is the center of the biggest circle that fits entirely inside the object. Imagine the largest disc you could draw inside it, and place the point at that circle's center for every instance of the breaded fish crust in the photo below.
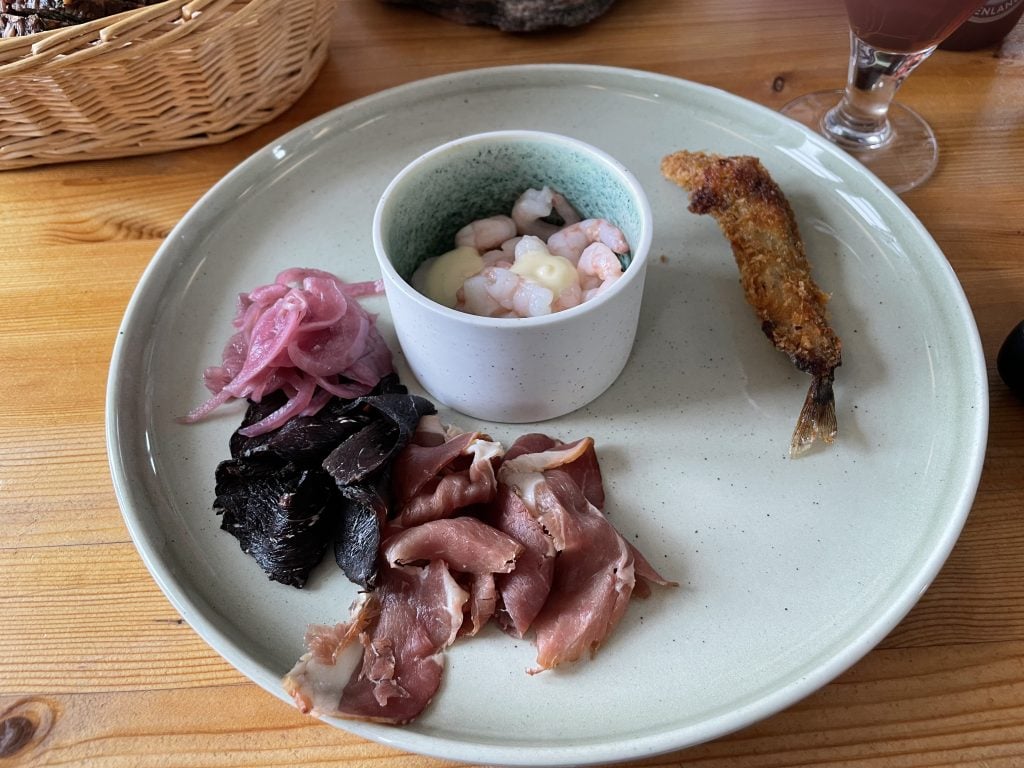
(759, 223)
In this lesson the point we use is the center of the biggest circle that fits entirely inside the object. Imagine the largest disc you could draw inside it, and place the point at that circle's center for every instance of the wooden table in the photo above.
(88, 640)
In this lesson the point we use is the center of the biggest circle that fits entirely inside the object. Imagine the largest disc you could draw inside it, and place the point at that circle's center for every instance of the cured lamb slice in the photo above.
(433, 481)
(595, 570)
(404, 626)
(465, 543)
(539, 548)
(521, 514)
(593, 581)
(524, 590)
(483, 602)
(418, 614)
(581, 464)
(469, 547)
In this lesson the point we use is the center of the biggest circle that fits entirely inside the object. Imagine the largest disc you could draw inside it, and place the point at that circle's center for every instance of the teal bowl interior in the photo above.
(445, 190)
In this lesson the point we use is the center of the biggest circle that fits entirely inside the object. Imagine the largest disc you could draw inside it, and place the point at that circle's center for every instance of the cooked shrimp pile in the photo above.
(523, 265)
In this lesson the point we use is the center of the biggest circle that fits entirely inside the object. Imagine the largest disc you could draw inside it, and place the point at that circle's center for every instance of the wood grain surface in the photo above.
(96, 667)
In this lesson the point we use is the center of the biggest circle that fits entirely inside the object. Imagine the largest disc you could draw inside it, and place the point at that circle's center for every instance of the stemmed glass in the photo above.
(888, 40)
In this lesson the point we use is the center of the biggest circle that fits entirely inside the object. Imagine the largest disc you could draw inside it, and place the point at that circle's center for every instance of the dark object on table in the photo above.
(515, 15)
(1010, 362)
(986, 27)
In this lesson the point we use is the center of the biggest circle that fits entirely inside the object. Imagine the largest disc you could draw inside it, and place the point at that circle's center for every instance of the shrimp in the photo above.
(501, 285)
(569, 297)
(515, 274)
(500, 292)
(485, 234)
(535, 205)
(503, 256)
(758, 221)
(599, 269)
(474, 298)
(535, 263)
(571, 241)
(565, 210)
(532, 299)
(489, 293)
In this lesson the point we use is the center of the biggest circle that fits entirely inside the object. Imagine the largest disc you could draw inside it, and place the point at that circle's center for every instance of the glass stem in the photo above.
(860, 120)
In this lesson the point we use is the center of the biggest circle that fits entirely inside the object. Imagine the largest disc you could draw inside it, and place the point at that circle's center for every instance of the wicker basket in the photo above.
(169, 76)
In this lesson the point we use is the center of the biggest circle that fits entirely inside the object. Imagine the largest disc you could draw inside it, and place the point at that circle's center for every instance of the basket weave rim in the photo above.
(175, 75)
(159, 23)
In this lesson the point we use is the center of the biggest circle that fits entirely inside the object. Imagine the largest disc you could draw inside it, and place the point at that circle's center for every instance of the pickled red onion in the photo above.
(304, 334)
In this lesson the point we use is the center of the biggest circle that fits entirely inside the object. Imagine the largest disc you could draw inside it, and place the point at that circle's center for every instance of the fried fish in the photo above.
(758, 221)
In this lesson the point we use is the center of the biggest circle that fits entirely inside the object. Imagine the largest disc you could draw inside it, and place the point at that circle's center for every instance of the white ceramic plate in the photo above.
(790, 570)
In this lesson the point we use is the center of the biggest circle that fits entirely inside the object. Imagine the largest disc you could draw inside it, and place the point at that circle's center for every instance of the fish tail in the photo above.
(817, 417)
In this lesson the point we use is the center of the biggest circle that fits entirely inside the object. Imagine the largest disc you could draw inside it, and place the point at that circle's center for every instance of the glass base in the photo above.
(906, 160)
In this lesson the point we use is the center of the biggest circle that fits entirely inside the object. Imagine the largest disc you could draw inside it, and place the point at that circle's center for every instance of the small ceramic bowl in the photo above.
(509, 369)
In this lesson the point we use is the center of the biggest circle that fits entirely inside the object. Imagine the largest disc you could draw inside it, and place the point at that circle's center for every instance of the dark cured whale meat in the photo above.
(279, 514)
(310, 437)
(287, 494)
(361, 468)
(363, 511)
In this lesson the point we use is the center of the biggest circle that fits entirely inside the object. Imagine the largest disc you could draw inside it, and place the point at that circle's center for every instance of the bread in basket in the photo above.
(168, 76)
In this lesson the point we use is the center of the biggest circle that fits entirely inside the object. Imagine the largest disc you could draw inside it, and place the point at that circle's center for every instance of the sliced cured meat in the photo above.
(580, 461)
(594, 573)
(466, 544)
(287, 494)
(301, 438)
(417, 613)
(646, 574)
(363, 453)
(388, 422)
(317, 680)
(362, 511)
(361, 466)
(540, 557)
(326, 643)
(434, 482)
(483, 600)
(525, 473)
(593, 581)
(404, 410)
(419, 465)
(430, 431)
(524, 590)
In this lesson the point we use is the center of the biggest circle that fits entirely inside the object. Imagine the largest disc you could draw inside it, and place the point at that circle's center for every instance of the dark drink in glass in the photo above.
(888, 40)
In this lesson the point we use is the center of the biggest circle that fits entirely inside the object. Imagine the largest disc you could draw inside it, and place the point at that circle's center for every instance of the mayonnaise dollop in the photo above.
(535, 263)
(440, 278)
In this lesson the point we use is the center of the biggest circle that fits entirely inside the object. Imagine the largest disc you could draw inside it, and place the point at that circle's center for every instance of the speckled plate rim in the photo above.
(122, 382)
